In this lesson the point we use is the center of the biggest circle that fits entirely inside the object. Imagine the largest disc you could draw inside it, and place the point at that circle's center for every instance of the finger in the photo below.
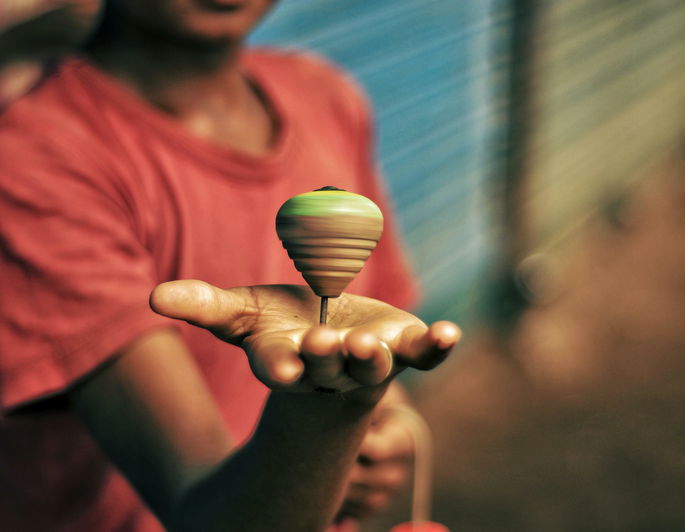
(424, 349)
(369, 360)
(388, 441)
(386, 477)
(352, 510)
(323, 358)
(275, 361)
(204, 305)
(360, 503)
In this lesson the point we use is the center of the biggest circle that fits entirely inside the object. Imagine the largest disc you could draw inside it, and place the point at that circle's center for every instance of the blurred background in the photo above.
(534, 153)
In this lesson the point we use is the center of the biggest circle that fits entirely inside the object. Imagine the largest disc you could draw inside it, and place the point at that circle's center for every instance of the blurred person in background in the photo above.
(163, 152)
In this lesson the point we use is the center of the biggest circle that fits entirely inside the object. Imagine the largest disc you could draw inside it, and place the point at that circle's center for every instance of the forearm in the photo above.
(150, 412)
(291, 474)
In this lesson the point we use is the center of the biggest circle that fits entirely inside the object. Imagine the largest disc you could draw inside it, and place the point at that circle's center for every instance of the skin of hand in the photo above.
(287, 351)
(383, 461)
(152, 414)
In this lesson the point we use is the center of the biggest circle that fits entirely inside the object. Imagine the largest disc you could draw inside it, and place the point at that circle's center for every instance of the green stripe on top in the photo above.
(330, 203)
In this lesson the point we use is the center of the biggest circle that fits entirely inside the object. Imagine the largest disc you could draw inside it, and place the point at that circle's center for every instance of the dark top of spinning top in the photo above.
(330, 187)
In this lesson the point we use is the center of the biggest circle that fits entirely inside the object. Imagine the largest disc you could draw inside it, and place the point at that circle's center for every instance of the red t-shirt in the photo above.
(101, 198)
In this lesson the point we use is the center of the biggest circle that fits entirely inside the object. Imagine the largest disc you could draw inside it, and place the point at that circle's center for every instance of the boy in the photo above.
(164, 154)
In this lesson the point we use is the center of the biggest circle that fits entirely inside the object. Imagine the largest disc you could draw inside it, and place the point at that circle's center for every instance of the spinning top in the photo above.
(329, 233)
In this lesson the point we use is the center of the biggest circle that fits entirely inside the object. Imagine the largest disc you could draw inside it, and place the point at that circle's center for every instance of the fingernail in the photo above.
(442, 344)
(453, 333)
(389, 356)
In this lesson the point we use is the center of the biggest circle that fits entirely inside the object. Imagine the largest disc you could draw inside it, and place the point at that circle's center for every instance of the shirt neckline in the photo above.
(232, 161)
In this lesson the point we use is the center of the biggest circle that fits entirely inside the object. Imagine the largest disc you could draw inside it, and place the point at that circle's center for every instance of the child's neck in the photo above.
(202, 87)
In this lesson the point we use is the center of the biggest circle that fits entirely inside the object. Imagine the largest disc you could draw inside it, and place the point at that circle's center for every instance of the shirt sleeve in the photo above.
(75, 277)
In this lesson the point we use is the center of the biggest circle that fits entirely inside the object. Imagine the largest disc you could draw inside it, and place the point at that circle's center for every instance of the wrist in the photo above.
(357, 402)
(369, 396)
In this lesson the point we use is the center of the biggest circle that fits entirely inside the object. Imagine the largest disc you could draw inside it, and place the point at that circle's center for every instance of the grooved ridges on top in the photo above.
(329, 234)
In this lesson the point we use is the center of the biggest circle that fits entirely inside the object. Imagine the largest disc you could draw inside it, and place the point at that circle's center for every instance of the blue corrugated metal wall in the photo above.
(433, 72)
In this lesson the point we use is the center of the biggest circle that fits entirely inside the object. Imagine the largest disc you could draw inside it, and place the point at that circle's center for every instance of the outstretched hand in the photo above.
(365, 343)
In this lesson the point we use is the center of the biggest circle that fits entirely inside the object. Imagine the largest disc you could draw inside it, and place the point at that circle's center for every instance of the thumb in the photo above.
(204, 305)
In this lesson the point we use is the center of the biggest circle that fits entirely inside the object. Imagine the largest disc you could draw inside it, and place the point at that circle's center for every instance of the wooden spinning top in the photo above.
(329, 233)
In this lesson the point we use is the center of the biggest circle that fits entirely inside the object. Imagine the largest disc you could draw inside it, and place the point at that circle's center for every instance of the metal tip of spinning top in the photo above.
(323, 313)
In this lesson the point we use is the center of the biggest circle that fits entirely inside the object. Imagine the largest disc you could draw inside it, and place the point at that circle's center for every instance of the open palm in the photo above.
(365, 343)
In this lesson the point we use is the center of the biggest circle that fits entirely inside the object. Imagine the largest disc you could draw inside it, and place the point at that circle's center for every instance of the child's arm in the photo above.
(149, 409)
